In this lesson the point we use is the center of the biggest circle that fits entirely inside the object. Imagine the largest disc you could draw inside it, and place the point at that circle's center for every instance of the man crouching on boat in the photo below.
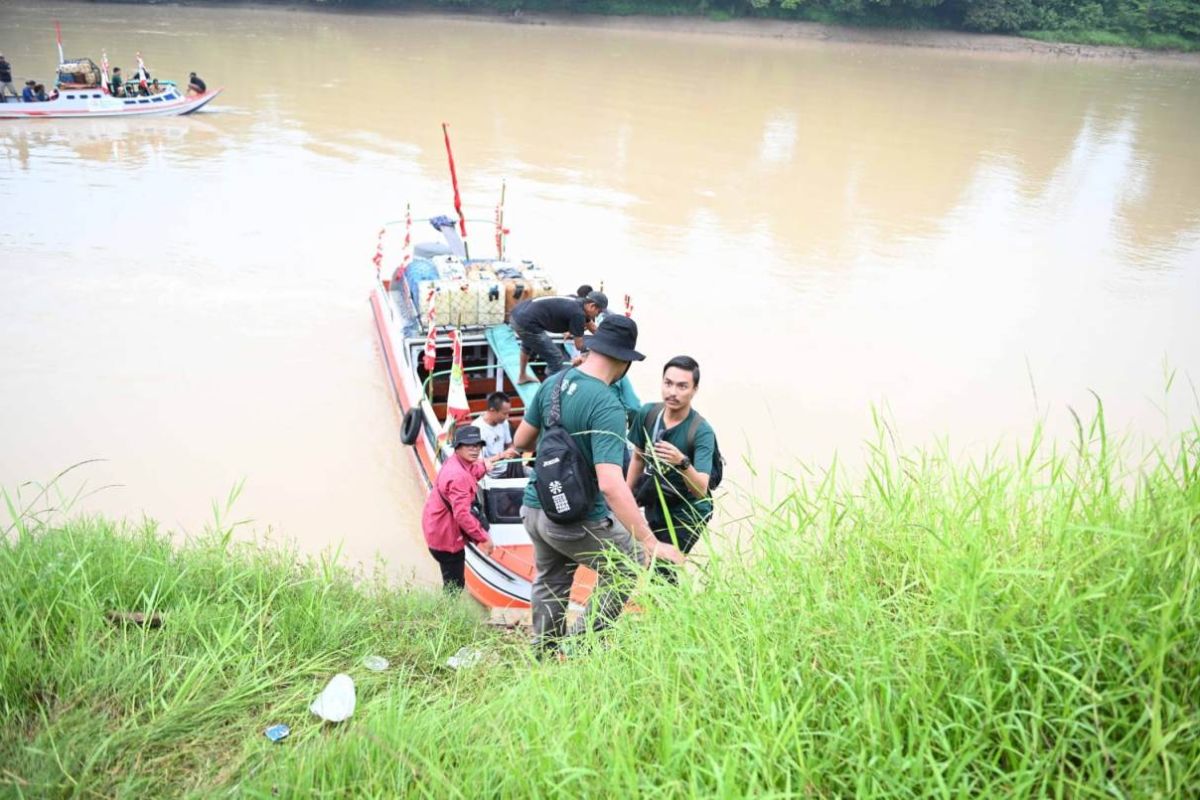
(446, 520)
(600, 539)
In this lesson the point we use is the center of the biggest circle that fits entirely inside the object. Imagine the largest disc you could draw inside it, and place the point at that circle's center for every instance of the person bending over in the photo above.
(535, 320)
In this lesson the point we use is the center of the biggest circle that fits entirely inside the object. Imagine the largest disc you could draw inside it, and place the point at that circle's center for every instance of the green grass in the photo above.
(1024, 625)
(1153, 41)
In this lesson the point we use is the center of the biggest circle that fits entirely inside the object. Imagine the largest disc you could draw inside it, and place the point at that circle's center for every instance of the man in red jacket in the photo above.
(447, 520)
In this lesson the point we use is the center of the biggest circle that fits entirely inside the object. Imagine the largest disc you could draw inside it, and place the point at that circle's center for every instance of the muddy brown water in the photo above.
(968, 242)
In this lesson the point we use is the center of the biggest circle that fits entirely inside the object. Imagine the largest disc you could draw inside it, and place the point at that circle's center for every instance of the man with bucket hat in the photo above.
(611, 537)
(446, 520)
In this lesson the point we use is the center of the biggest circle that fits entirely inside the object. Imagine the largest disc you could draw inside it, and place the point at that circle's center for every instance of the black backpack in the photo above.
(718, 461)
(565, 481)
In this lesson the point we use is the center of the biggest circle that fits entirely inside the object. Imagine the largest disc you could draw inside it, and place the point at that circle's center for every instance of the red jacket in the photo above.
(457, 482)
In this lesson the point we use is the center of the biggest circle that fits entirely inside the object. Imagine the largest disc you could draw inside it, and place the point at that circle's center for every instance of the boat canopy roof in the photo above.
(79, 72)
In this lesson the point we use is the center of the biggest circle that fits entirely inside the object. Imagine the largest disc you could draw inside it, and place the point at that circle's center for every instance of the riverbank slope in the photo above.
(1025, 626)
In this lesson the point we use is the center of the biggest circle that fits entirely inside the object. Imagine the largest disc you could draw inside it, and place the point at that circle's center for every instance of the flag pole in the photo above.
(58, 39)
(462, 221)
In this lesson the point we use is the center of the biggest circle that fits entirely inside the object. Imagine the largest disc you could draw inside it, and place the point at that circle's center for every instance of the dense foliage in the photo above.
(1155, 22)
(1023, 626)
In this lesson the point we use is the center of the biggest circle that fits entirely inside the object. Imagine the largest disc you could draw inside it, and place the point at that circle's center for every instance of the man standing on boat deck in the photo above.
(6, 84)
(674, 450)
(446, 520)
(535, 320)
(602, 539)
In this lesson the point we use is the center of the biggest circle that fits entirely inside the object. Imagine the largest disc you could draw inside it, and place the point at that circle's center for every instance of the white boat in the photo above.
(92, 103)
(82, 93)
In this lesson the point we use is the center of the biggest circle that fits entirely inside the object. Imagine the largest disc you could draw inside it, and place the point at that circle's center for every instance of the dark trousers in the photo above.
(687, 533)
(453, 567)
(540, 347)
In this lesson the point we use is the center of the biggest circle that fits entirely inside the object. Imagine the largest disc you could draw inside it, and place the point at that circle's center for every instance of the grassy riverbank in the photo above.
(1023, 626)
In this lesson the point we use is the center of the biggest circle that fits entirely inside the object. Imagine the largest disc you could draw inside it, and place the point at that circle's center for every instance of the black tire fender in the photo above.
(410, 429)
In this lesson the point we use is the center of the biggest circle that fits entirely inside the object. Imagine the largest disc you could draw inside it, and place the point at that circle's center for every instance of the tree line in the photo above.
(1154, 23)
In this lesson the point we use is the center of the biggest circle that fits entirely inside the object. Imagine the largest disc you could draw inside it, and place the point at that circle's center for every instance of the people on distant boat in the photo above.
(446, 519)
(116, 85)
(611, 537)
(196, 85)
(674, 451)
(27, 94)
(535, 320)
(155, 88)
(497, 435)
(6, 85)
(39, 91)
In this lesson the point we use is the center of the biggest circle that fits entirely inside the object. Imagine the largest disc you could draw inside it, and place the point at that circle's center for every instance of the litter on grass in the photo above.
(375, 663)
(465, 658)
(277, 732)
(336, 702)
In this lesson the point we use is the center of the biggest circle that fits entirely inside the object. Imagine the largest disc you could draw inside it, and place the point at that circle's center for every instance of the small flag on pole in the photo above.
(141, 73)
(104, 71)
(431, 339)
(378, 259)
(501, 231)
(456, 400)
(407, 257)
(58, 38)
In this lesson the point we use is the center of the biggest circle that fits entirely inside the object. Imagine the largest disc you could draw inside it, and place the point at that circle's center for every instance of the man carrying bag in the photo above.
(577, 507)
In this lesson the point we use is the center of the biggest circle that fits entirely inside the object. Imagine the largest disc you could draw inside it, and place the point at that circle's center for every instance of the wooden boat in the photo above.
(472, 297)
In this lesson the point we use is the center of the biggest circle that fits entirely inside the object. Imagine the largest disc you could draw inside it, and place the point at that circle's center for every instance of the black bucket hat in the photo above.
(615, 337)
(468, 434)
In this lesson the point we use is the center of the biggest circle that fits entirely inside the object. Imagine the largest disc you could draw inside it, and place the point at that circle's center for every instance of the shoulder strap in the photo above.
(691, 437)
(654, 412)
(556, 401)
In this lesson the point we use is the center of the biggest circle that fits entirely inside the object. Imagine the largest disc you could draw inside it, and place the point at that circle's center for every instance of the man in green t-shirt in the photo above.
(602, 540)
(673, 448)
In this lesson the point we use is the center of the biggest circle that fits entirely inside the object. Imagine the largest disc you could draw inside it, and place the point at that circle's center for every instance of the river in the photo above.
(967, 242)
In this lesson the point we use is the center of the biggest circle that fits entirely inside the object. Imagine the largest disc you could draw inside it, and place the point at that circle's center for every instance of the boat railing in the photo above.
(427, 385)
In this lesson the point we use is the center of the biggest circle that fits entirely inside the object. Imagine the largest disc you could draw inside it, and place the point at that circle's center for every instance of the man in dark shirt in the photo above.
(534, 320)
(6, 79)
(195, 84)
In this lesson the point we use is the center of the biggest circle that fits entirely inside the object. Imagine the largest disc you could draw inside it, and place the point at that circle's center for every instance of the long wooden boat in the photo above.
(472, 297)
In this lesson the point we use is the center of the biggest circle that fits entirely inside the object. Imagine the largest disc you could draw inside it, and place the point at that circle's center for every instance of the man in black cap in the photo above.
(612, 535)
(446, 520)
(534, 320)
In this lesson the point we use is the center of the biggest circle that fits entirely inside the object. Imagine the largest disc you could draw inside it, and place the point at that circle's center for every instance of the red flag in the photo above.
(431, 339)
(462, 221)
